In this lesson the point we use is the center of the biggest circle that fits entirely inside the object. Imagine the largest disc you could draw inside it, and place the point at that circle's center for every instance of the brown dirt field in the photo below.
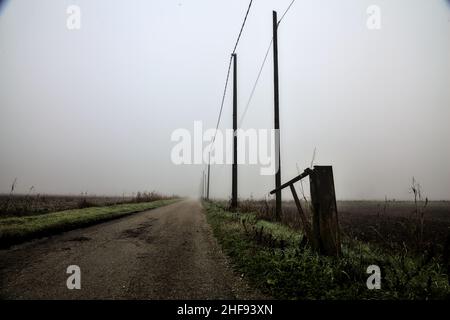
(391, 224)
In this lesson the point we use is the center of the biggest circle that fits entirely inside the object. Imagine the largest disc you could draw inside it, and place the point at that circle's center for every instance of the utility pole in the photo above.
(234, 192)
(202, 185)
(207, 185)
(277, 117)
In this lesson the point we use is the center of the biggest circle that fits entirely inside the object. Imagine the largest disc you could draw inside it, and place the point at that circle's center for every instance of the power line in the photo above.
(223, 100)
(289, 7)
(256, 83)
(262, 67)
(228, 72)
(243, 24)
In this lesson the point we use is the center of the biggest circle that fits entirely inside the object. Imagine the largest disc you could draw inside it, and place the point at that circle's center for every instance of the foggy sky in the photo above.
(92, 110)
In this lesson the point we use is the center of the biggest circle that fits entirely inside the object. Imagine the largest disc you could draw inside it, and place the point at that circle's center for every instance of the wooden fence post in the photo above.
(325, 222)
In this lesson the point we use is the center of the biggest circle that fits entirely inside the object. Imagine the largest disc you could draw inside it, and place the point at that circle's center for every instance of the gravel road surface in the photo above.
(165, 253)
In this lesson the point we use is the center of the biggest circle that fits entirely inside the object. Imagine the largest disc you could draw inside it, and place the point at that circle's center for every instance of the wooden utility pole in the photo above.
(277, 117)
(234, 191)
(207, 184)
(203, 184)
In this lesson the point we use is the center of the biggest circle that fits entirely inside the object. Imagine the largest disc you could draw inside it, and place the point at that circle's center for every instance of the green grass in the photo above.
(18, 229)
(272, 258)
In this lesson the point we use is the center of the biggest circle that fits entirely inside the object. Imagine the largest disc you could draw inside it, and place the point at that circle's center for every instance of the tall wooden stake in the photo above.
(276, 116)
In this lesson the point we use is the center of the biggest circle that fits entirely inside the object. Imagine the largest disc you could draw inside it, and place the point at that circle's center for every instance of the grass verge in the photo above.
(274, 259)
(19, 229)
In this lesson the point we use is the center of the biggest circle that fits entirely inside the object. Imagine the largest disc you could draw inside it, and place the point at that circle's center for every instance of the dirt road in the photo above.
(166, 253)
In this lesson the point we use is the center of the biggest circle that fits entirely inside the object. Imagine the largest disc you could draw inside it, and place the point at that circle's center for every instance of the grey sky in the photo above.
(93, 109)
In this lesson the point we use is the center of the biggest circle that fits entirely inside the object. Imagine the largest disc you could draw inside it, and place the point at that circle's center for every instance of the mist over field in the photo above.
(139, 153)
(93, 110)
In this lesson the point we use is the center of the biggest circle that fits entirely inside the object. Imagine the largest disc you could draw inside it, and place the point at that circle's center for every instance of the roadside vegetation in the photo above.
(275, 258)
(35, 203)
(17, 229)
(416, 226)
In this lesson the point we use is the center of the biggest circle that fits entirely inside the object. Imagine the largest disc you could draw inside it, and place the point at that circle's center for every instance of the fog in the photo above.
(92, 110)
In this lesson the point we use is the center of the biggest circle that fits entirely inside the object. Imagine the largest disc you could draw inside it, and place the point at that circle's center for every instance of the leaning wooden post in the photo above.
(325, 217)
(305, 223)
